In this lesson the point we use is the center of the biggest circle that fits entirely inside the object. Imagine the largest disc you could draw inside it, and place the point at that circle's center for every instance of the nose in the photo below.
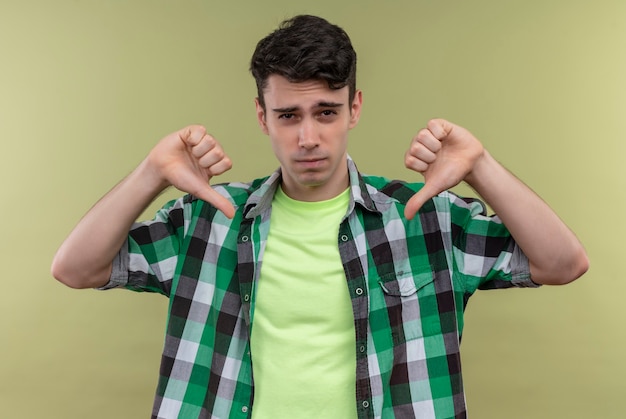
(308, 136)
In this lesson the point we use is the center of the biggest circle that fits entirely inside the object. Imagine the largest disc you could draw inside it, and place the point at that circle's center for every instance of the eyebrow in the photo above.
(318, 105)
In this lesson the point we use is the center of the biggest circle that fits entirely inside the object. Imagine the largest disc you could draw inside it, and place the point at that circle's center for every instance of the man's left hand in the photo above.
(445, 154)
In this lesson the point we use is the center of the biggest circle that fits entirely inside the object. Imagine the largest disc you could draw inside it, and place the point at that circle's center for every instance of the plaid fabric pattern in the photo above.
(409, 282)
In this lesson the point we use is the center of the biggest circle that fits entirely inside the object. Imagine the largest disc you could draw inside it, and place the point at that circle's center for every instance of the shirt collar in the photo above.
(261, 199)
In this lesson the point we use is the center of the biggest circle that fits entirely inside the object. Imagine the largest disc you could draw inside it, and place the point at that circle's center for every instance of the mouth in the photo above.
(312, 162)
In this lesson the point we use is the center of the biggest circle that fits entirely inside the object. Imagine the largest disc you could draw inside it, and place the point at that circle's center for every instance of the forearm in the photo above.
(85, 258)
(556, 255)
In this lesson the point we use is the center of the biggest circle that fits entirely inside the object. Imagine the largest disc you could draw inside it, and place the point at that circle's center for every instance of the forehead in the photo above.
(281, 92)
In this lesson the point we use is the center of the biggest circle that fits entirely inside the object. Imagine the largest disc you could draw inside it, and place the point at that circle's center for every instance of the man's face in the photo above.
(308, 126)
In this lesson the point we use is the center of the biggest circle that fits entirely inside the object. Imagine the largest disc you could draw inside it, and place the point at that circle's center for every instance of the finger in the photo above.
(413, 163)
(216, 165)
(197, 186)
(192, 135)
(209, 195)
(440, 128)
(420, 152)
(206, 144)
(428, 139)
(417, 201)
(208, 153)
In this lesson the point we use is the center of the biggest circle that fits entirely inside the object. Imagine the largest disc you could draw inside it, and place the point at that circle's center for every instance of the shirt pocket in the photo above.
(401, 293)
(405, 284)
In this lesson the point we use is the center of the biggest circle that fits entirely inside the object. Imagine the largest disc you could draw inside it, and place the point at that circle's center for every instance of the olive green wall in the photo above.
(87, 87)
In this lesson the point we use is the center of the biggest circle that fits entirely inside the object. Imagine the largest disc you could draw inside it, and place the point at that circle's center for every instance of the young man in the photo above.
(317, 291)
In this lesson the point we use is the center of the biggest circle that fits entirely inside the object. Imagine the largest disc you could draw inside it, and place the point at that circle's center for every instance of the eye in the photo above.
(286, 116)
(327, 115)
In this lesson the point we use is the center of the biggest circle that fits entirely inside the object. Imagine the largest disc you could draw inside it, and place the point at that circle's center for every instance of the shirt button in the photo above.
(344, 238)
(366, 404)
(362, 349)
(245, 238)
(244, 409)
(246, 297)
(359, 291)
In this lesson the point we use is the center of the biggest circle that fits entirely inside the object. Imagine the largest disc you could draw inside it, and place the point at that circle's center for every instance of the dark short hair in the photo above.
(306, 48)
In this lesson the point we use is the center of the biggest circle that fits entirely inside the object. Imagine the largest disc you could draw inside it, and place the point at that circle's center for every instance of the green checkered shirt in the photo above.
(409, 282)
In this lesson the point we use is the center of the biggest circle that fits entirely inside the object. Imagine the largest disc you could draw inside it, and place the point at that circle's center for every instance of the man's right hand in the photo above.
(187, 159)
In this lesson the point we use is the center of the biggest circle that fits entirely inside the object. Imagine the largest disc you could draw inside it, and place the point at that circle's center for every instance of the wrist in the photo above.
(483, 170)
(150, 178)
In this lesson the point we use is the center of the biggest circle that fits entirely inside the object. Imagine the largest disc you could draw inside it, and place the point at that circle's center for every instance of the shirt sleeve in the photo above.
(485, 255)
(148, 258)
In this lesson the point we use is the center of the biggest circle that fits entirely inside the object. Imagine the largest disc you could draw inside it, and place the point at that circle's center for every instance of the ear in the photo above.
(260, 116)
(355, 108)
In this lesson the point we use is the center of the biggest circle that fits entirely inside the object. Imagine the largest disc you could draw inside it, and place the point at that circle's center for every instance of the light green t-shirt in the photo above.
(303, 339)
